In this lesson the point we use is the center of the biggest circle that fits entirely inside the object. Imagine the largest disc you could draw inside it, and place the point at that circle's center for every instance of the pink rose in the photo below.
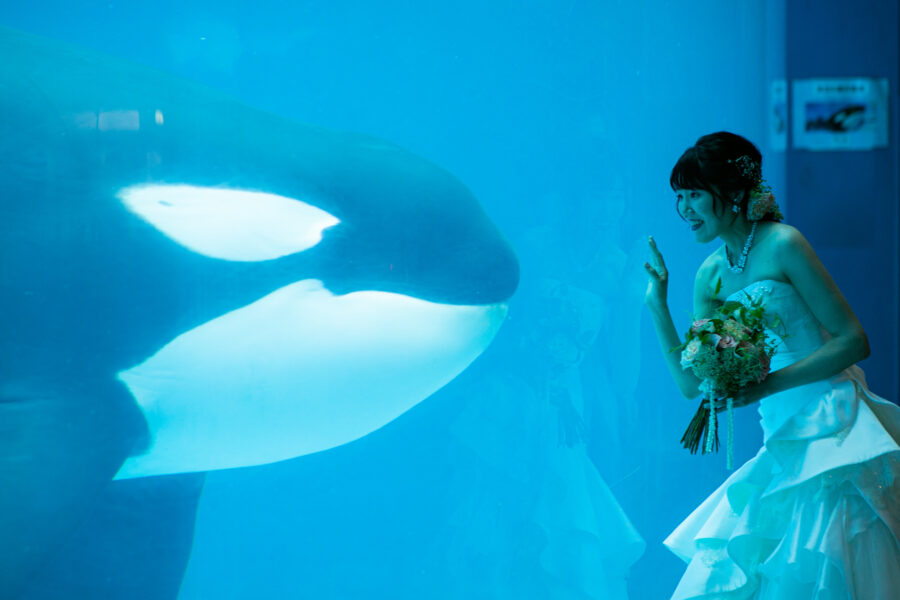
(697, 326)
(726, 341)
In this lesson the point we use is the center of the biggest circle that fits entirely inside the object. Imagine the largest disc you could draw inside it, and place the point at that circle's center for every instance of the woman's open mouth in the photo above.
(695, 225)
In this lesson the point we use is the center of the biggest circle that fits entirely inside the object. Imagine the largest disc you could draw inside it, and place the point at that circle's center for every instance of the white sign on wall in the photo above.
(840, 114)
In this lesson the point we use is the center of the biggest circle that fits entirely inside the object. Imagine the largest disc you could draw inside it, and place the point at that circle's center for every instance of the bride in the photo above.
(816, 513)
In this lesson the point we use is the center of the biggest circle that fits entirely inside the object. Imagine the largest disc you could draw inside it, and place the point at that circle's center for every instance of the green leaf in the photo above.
(729, 306)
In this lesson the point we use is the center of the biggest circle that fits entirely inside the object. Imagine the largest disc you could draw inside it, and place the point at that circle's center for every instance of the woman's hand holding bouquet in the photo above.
(730, 354)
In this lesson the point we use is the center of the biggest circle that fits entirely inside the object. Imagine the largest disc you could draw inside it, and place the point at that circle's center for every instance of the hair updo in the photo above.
(706, 166)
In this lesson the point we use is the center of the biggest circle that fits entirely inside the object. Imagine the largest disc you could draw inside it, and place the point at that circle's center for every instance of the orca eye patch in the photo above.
(229, 224)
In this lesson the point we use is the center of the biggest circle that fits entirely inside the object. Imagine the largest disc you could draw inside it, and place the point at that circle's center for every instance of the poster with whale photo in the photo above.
(840, 114)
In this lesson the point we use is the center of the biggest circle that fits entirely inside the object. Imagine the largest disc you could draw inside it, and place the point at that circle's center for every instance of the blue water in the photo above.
(550, 468)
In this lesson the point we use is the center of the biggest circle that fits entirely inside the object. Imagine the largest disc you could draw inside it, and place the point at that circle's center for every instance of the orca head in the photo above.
(264, 288)
(299, 370)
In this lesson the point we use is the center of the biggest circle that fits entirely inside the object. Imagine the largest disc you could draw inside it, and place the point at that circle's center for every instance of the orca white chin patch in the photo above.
(298, 371)
(236, 225)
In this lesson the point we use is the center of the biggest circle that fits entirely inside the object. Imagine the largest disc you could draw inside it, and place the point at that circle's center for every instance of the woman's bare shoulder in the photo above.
(779, 239)
(779, 233)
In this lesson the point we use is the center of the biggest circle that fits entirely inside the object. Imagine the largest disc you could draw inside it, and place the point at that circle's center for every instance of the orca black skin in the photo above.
(89, 288)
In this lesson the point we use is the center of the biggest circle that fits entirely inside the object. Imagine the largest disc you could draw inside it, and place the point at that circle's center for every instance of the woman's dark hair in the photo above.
(706, 166)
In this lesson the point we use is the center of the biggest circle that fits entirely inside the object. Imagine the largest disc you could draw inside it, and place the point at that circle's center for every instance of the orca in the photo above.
(190, 283)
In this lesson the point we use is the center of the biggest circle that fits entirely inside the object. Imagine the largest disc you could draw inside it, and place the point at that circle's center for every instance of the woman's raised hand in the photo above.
(657, 286)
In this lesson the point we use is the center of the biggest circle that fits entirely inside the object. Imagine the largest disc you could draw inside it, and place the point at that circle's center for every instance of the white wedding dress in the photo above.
(815, 515)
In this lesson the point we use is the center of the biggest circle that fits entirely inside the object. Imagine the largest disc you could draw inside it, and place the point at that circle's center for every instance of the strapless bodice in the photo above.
(813, 410)
(789, 321)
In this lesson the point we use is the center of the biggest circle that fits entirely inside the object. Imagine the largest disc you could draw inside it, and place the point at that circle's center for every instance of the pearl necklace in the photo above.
(738, 268)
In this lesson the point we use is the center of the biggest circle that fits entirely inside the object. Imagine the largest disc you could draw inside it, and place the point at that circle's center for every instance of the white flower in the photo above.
(690, 353)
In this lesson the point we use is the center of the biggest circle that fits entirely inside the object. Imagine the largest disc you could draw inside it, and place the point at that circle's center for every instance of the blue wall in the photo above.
(847, 202)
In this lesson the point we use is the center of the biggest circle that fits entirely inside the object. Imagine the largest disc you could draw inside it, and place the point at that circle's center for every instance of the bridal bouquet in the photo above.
(726, 351)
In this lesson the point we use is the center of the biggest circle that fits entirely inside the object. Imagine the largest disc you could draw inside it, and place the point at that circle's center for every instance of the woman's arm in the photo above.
(687, 382)
(848, 344)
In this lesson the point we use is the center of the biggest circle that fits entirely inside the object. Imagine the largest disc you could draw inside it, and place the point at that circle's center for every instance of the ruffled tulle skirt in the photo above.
(815, 514)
